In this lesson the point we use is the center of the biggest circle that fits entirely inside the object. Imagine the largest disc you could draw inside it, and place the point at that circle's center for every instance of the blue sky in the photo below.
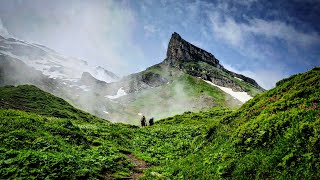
(264, 39)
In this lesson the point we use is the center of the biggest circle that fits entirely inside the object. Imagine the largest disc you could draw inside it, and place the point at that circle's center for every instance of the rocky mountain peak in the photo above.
(176, 36)
(186, 56)
(179, 51)
(88, 79)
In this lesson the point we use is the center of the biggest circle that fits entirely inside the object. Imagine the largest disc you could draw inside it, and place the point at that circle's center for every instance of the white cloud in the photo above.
(227, 29)
(240, 34)
(280, 30)
(150, 29)
(3, 30)
(246, 2)
(264, 60)
(100, 32)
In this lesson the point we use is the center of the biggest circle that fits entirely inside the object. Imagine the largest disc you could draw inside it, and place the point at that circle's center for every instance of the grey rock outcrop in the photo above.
(88, 79)
(191, 59)
(180, 50)
(140, 81)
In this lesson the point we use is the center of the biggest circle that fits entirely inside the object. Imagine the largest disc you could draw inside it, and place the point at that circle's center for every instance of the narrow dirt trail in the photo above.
(140, 167)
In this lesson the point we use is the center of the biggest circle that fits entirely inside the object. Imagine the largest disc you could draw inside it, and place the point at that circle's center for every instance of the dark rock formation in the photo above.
(88, 79)
(153, 79)
(180, 51)
(200, 63)
(144, 80)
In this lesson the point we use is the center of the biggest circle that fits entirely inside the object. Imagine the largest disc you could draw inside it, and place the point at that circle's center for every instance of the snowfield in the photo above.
(52, 63)
(120, 93)
(241, 96)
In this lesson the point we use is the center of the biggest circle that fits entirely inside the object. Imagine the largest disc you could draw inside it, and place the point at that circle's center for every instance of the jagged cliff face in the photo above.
(180, 51)
(200, 63)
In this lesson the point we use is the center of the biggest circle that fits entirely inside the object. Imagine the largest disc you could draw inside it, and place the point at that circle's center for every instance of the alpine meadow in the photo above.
(149, 90)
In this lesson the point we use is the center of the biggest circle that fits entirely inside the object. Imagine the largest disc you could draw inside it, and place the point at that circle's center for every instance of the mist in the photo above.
(99, 32)
(126, 37)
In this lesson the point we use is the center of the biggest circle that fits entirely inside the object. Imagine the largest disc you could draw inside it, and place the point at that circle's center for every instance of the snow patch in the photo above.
(239, 79)
(83, 87)
(120, 93)
(241, 96)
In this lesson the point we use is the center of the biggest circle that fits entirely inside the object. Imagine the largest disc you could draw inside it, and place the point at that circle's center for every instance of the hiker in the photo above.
(143, 121)
(151, 122)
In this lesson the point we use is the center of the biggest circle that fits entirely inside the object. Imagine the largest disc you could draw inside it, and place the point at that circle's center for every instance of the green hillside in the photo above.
(54, 140)
(31, 99)
(275, 135)
(181, 93)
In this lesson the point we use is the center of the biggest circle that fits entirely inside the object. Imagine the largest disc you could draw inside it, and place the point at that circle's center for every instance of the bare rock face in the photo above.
(180, 51)
(89, 80)
(187, 57)
(140, 81)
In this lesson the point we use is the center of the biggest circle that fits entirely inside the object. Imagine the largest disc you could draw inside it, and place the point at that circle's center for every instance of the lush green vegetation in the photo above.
(47, 144)
(276, 135)
(40, 147)
(173, 91)
(182, 93)
(174, 138)
(31, 99)
(56, 140)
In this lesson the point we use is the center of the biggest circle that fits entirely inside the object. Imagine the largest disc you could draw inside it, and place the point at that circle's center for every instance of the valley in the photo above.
(178, 84)
(273, 135)
(159, 90)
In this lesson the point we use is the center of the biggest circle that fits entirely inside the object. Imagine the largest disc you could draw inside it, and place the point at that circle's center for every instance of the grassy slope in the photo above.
(31, 99)
(56, 140)
(172, 139)
(274, 135)
(182, 93)
(34, 146)
(38, 145)
(177, 97)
